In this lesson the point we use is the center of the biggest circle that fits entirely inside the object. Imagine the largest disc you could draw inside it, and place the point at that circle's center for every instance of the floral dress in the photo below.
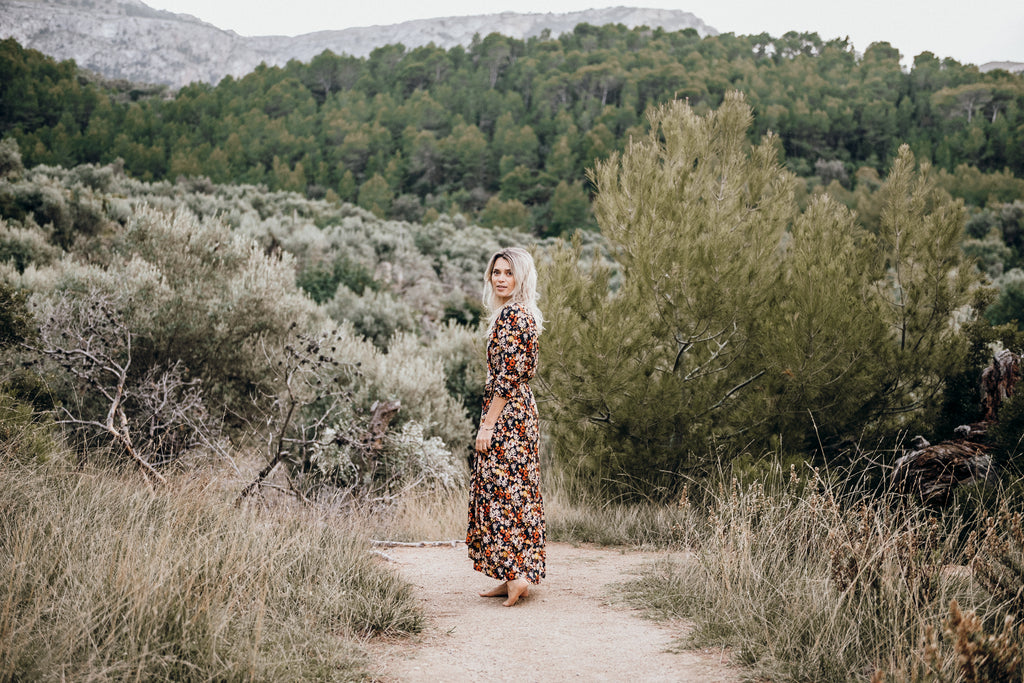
(506, 513)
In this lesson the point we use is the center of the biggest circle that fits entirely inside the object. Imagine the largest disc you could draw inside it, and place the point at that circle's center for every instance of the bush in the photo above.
(23, 247)
(322, 282)
(462, 354)
(1006, 436)
(25, 435)
(15, 319)
(1009, 304)
(377, 316)
(10, 159)
(411, 374)
(736, 318)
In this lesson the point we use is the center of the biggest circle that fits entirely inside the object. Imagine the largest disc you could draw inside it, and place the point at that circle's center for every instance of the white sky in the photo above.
(970, 32)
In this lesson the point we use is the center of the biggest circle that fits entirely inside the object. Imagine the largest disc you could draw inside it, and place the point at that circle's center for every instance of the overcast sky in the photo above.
(970, 32)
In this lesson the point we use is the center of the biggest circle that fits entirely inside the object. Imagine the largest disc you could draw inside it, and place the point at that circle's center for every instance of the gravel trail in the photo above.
(568, 629)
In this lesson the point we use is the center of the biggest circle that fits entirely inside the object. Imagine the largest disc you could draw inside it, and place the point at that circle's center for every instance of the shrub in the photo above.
(736, 318)
(10, 159)
(15, 318)
(1009, 304)
(377, 316)
(25, 435)
(23, 247)
(1007, 435)
(461, 352)
(411, 374)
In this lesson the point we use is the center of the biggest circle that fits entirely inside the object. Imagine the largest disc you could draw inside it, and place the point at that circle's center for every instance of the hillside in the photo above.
(130, 40)
(1012, 67)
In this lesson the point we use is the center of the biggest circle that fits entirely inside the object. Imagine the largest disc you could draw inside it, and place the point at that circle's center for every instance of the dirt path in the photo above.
(567, 630)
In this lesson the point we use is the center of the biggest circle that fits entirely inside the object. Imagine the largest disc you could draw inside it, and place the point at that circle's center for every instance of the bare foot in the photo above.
(496, 592)
(516, 588)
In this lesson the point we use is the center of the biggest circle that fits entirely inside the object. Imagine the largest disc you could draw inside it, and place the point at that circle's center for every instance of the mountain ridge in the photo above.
(127, 39)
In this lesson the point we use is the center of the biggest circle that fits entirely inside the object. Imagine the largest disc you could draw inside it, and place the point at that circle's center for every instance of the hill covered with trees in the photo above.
(503, 130)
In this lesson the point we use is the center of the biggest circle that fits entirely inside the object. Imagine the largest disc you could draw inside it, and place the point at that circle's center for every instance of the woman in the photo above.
(506, 514)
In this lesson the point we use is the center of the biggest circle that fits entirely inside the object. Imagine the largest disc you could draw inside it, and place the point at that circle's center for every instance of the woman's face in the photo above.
(503, 282)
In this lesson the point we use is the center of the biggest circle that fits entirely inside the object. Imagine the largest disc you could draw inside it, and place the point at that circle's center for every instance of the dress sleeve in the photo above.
(516, 336)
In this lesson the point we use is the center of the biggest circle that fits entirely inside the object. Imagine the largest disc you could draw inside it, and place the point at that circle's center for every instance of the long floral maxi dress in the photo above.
(506, 513)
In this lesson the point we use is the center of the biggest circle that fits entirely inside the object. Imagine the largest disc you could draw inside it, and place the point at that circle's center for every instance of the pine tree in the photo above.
(729, 317)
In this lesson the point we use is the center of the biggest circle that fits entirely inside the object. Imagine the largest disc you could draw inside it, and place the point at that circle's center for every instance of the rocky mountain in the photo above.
(1012, 67)
(130, 40)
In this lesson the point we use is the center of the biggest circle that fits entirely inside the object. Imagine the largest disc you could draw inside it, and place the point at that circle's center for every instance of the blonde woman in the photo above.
(506, 513)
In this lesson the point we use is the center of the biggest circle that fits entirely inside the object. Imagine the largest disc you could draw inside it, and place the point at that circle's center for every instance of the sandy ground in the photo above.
(570, 628)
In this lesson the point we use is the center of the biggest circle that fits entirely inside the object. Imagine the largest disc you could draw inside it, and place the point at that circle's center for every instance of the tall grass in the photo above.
(573, 514)
(102, 580)
(577, 513)
(821, 581)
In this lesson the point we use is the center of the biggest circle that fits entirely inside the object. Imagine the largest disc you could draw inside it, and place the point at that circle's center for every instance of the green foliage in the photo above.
(206, 275)
(510, 214)
(10, 159)
(1009, 305)
(23, 246)
(411, 374)
(15, 319)
(737, 318)
(322, 283)
(25, 435)
(924, 288)
(570, 209)
(515, 118)
(990, 254)
(460, 350)
(375, 196)
(1007, 435)
(978, 188)
(376, 316)
(823, 334)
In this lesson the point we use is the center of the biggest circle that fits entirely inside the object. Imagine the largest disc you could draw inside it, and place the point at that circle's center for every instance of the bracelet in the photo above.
(486, 429)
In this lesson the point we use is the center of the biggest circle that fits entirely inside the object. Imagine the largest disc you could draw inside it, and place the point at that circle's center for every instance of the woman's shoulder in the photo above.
(516, 314)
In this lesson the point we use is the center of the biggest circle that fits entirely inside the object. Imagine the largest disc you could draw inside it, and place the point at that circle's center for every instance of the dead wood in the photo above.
(417, 544)
(933, 471)
(998, 381)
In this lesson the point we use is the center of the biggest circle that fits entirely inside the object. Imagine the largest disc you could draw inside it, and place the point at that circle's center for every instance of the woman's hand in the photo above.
(487, 422)
(483, 438)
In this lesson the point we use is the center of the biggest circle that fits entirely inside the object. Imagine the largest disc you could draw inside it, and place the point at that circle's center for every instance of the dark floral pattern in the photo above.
(506, 513)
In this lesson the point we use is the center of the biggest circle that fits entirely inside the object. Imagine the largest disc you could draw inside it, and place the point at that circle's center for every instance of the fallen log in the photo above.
(933, 471)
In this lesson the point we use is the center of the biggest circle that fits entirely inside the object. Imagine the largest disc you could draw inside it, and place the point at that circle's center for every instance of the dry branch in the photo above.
(89, 339)
(292, 430)
(418, 544)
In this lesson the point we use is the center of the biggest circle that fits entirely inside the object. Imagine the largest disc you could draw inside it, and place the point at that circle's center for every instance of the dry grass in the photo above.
(102, 580)
(813, 581)
(422, 515)
(573, 515)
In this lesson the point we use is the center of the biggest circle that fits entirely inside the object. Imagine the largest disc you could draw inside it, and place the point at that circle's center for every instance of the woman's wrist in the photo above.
(485, 428)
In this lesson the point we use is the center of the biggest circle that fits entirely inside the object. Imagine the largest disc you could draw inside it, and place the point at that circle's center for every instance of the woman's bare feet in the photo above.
(496, 592)
(515, 589)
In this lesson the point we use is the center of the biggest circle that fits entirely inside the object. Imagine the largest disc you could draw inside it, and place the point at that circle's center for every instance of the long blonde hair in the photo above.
(525, 292)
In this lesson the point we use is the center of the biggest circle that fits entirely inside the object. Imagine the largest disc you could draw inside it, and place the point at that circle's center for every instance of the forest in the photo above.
(766, 264)
(504, 130)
